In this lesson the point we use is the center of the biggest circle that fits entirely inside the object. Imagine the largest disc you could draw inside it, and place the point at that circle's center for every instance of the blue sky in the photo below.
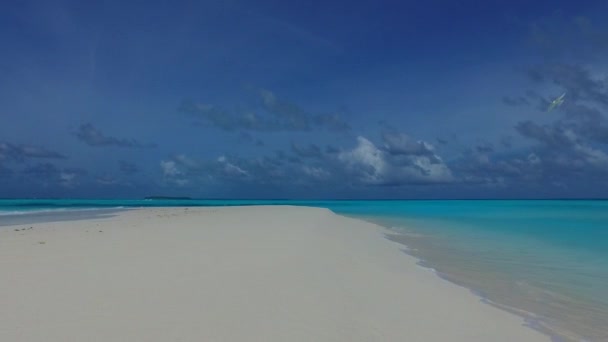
(310, 99)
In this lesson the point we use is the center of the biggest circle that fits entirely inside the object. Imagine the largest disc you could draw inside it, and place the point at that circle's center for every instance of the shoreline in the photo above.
(56, 215)
(531, 319)
(331, 231)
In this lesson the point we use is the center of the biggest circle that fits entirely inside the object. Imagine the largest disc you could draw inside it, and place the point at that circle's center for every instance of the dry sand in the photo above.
(230, 274)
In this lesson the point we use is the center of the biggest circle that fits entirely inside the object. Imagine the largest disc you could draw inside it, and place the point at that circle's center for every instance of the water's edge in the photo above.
(57, 215)
(529, 319)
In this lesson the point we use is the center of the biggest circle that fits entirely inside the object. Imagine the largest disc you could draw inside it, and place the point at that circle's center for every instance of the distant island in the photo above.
(166, 198)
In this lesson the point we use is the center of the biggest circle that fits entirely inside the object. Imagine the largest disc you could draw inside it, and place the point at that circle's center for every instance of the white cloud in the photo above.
(268, 97)
(231, 169)
(432, 170)
(594, 157)
(169, 168)
(107, 180)
(182, 182)
(172, 173)
(187, 161)
(533, 159)
(401, 143)
(67, 179)
(374, 166)
(366, 160)
(316, 172)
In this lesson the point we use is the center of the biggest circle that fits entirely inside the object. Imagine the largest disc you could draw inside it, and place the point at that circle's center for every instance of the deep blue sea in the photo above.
(544, 259)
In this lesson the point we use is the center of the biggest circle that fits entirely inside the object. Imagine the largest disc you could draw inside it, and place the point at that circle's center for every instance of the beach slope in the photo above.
(230, 274)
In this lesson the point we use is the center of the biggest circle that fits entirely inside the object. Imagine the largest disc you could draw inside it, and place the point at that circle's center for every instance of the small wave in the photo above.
(426, 267)
(47, 205)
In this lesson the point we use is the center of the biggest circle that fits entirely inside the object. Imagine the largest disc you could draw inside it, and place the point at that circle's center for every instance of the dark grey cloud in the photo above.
(533, 98)
(588, 122)
(575, 80)
(333, 122)
(535, 75)
(91, 136)
(485, 148)
(184, 170)
(523, 168)
(515, 101)
(226, 120)
(280, 155)
(498, 169)
(441, 141)
(572, 147)
(562, 153)
(557, 155)
(400, 161)
(273, 115)
(19, 152)
(246, 138)
(331, 149)
(553, 136)
(127, 168)
(274, 161)
(107, 180)
(285, 158)
(506, 142)
(401, 146)
(308, 151)
(76, 170)
(308, 165)
(569, 150)
(586, 99)
(290, 114)
(49, 174)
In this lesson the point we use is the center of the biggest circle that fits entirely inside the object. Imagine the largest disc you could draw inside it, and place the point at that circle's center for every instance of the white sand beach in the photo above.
(230, 274)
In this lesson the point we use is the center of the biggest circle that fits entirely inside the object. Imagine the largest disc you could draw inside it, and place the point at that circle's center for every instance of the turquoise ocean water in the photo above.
(545, 260)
